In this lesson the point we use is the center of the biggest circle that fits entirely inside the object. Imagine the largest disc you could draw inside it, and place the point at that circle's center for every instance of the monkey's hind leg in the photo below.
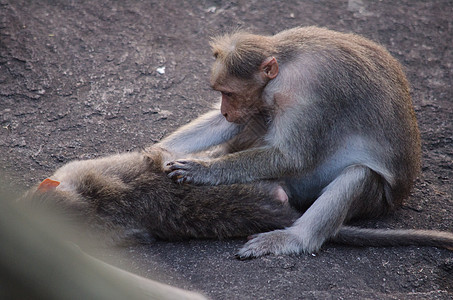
(345, 197)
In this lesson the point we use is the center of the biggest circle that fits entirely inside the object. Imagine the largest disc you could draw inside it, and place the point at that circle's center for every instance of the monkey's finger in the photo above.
(167, 168)
(178, 166)
(242, 257)
(249, 250)
(180, 177)
(246, 253)
(176, 174)
(182, 180)
(175, 162)
(185, 180)
(182, 161)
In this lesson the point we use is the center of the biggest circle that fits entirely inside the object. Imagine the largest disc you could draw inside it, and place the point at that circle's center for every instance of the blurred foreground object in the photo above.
(36, 263)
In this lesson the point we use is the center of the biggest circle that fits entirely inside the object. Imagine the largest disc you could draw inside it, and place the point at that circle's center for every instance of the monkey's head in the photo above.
(244, 64)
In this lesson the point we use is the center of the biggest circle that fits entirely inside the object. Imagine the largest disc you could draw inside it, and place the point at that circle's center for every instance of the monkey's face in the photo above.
(242, 95)
(240, 101)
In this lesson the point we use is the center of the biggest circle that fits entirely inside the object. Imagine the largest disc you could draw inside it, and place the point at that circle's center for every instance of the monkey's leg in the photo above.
(342, 199)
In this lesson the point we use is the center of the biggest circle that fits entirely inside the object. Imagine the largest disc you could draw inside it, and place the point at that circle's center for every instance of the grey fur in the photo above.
(336, 124)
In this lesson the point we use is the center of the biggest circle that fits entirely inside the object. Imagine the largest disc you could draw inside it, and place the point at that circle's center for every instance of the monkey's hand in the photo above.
(194, 171)
(277, 242)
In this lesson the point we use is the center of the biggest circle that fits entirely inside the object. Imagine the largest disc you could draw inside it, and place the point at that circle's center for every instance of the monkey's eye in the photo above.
(227, 94)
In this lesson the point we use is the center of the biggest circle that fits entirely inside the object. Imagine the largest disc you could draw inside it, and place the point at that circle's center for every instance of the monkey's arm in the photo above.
(240, 167)
(208, 130)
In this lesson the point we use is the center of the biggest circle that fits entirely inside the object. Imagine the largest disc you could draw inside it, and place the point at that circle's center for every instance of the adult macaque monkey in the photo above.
(327, 113)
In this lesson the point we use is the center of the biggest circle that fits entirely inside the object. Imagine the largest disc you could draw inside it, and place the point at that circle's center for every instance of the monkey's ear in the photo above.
(47, 185)
(269, 68)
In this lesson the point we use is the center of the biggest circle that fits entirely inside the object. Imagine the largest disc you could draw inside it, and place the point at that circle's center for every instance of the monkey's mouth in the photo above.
(238, 121)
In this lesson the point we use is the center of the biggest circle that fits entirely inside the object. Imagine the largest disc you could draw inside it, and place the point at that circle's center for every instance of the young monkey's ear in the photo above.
(269, 68)
(48, 185)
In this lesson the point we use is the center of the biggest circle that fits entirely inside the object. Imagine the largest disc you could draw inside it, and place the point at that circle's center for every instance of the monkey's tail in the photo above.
(362, 237)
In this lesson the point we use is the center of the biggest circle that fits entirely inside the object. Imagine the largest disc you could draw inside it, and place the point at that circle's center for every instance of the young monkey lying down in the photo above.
(129, 197)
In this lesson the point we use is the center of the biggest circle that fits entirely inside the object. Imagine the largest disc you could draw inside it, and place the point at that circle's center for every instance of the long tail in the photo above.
(356, 236)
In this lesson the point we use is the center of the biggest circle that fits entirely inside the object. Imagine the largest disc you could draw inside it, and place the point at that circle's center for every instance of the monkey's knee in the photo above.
(370, 197)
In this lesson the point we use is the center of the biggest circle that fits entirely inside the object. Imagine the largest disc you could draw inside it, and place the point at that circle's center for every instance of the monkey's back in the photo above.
(354, 88)
(130, 194)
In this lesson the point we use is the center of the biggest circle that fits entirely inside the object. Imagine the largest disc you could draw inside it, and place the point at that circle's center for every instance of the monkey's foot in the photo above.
(276, 242)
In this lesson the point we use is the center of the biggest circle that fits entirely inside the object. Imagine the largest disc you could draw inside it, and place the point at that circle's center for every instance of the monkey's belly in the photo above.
(306, 188)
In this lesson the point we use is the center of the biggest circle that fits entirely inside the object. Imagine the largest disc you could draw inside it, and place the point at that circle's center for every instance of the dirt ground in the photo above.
(80, 79)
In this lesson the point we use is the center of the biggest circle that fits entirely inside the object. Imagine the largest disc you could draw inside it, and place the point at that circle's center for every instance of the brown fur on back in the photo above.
(131, 197)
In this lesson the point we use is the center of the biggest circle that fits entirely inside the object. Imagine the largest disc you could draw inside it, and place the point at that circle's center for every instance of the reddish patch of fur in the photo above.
(47, 185)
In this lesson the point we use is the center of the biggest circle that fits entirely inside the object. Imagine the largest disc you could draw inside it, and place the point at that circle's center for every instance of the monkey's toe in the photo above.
(277, 242)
